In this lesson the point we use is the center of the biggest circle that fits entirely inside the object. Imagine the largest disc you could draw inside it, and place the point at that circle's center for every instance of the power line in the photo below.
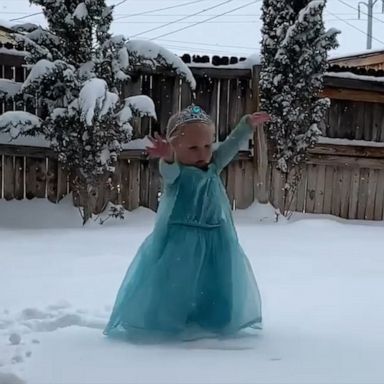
(206, 44)
(118, 4)
(212, 22)
(192, 50)
(159, 10)
(24, 17)
(204, 21)
(353, 26)
(126, 15)
(181, 19)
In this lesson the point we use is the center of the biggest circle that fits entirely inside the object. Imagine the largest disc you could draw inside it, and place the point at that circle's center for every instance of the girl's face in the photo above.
(193, 144)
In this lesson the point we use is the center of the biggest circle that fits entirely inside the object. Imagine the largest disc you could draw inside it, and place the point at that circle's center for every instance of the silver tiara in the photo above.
(192, 113)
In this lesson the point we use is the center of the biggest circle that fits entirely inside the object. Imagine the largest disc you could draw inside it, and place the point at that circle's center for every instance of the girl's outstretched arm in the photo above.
(169, 169)
(237, 138)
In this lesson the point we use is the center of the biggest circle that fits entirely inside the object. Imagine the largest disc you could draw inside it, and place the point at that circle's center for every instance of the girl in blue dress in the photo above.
(190, 278)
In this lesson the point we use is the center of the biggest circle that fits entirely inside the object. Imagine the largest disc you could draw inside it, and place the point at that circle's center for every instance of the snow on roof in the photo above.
(12, 51)
(5, 24)
(350, 75)
(367, 52)
(18, 122)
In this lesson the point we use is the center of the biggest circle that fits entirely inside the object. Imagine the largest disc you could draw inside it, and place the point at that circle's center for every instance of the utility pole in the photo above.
(370, 5)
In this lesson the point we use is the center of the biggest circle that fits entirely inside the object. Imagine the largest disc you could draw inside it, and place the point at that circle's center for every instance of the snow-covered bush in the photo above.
(77, 70)
(295, 45)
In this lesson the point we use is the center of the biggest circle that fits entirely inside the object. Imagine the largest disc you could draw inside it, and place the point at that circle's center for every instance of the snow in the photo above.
(92, 98)
(248, 63)
(362, 143)
(349, 75)
(138, 144)
(320, 279)
(5, 24)
(125, 114)
(81, 12)
(142, 105)
(42, 68)
(18, 122)
(153, 53)
(30, 141)
(9, 87)
(12, 51)
(338, 56)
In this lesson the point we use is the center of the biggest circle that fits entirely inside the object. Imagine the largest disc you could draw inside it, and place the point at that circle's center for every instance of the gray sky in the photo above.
(237, 32)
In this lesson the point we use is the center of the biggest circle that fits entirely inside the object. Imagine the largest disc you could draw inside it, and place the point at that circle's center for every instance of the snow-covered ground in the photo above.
(321, 281)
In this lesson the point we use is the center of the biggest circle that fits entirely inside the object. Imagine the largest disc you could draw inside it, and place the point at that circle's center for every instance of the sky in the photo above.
(230, 27)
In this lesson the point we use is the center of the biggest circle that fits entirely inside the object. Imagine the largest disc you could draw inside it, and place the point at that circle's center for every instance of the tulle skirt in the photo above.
(186, 282)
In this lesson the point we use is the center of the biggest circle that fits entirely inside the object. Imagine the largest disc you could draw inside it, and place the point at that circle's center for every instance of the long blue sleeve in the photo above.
(169, 171)
(233, 143)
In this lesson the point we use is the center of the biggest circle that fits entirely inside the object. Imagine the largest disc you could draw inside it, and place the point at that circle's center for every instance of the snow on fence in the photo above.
(344, 175)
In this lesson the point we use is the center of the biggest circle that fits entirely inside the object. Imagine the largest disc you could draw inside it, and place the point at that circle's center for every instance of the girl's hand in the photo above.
(258, 118)
(160, 148)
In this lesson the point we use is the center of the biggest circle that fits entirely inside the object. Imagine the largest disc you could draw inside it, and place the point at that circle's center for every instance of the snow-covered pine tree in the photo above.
(77, 70)
(295, 45)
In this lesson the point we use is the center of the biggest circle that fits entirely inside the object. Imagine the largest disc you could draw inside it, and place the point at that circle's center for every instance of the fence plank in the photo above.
(378, 122)
(162, 93)
(378, 215)
(311, 188)
(134, 185)
(234, 103)
(124, 183)
(345, 189)
(327, 200)
(231, 183)
(359, 120)
(19, 178)
(186, 95)
(9, 178)
(52, 180)
(223, 118)
(336, 192)
(354, 194)
(277, 189)
(244, 186)
(371, 194)
(205, 93)
(1, 175)
(41, 177)
(302, 191)
(154, 185)
(366, 117)
(62, 182)
(320, 188)
(363, 193)
(260, 163)
(144, 184)
(146, 122)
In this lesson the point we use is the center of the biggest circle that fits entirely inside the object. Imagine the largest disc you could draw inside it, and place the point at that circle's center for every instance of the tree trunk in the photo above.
(92, 196)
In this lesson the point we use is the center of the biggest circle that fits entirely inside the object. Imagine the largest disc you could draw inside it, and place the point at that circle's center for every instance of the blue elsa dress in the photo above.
(190, 278)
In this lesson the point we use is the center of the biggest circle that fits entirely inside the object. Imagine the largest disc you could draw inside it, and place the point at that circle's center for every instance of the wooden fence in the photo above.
(344, 180)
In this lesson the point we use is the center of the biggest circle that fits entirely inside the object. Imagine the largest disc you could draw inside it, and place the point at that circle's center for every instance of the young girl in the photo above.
(190, 277)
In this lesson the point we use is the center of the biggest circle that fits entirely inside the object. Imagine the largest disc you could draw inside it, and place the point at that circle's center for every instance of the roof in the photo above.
(6, 35)
(358, 55)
